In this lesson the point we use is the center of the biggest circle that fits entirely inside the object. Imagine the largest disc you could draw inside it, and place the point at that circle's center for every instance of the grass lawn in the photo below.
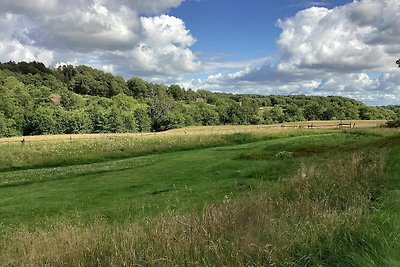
(189, 179)
(170, 181)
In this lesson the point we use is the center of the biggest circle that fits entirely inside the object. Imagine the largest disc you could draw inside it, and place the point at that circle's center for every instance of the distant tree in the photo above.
(313, 111)
(143, 120)
(205, 114)
(292, 113)
(121, 117)
(393, 123)
(94, 82)
(7, 127)
(176, 92)
(44, 120)
(330, 113)
(273, 115)
(160, 104)
(15, 103)
(65, 73)
(37, 100)
(76, 121)
(190, 96)
(138, 88)
(99, 117)
(71, 101)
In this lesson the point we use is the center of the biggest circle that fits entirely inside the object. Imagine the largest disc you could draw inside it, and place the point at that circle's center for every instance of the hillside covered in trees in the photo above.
(35, 100)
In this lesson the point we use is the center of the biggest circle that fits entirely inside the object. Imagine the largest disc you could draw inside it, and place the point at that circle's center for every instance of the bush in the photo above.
(393, 124)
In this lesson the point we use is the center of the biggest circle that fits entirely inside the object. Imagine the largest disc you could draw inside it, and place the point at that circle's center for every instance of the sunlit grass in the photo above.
(52, 152)
(317, 217)
(198, 130)
(284, 197)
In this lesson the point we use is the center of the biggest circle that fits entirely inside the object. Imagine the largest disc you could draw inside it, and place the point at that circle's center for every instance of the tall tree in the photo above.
(138, 88)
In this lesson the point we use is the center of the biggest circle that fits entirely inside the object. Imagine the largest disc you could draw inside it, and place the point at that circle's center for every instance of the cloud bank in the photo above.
(128, 37)
(348, 50)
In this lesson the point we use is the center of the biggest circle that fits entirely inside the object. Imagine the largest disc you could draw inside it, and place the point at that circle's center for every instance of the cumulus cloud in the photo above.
(130, 37)
(16, 46)
(166, 46)
(342, 39)
(381, 90)
(331, 51)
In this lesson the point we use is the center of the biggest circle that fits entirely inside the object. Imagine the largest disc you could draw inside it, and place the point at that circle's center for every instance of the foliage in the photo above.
(107, 103)
(393, 123)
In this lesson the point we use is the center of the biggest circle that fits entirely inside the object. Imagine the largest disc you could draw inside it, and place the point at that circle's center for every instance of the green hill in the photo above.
(35, 99)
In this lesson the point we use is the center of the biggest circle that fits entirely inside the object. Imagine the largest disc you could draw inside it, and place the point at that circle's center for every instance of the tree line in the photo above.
(35, 99)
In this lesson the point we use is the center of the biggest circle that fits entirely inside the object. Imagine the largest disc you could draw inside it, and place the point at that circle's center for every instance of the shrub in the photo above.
(393, 123)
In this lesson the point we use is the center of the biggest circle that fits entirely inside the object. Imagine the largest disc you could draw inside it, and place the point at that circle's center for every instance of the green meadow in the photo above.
(289, 198)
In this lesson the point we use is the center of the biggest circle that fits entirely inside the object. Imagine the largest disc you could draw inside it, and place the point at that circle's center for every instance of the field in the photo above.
(208, 196)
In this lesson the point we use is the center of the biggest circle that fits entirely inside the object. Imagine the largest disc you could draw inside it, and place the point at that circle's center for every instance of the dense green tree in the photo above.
(121, 117)
(45, 120)
(89, 81)
(313, 111)
(143, 120)
(7, 127)
(99, 118)
(15, 101)
(292, 112)
(370, 113)
(65, 73)
(274, 115)
(35, 99)
(160, 104)
(71, 101)
(237, 114)
(176, 92)
(76, 121)
(138, 88)
(205, 114)
(190, 96)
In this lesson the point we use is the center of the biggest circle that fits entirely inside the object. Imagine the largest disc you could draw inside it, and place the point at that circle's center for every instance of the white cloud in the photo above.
(337, 40)
(98, 32)
(13, 45)
(165, 47)
(382, 90)
(322, 50)
(166, 29)
(362, 35)
(329, 52)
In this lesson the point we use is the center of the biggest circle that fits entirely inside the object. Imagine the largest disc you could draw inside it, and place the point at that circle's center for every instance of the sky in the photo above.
(321, 47)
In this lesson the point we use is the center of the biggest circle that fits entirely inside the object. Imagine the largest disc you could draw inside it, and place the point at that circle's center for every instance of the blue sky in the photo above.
(237, 29)
(313, 47)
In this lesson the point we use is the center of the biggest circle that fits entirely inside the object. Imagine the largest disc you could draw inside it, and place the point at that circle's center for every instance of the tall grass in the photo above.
(16, 156)
(318, 217)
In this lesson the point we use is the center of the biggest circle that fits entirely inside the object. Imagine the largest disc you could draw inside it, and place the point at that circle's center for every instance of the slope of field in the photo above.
(201, 130)
(322, 194)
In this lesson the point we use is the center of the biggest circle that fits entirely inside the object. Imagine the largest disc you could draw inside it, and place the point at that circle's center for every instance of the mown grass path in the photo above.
(175, 181)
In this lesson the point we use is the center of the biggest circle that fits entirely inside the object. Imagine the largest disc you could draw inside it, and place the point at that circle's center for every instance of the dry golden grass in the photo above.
(335, 123)
(319, 209)
(200, 130)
